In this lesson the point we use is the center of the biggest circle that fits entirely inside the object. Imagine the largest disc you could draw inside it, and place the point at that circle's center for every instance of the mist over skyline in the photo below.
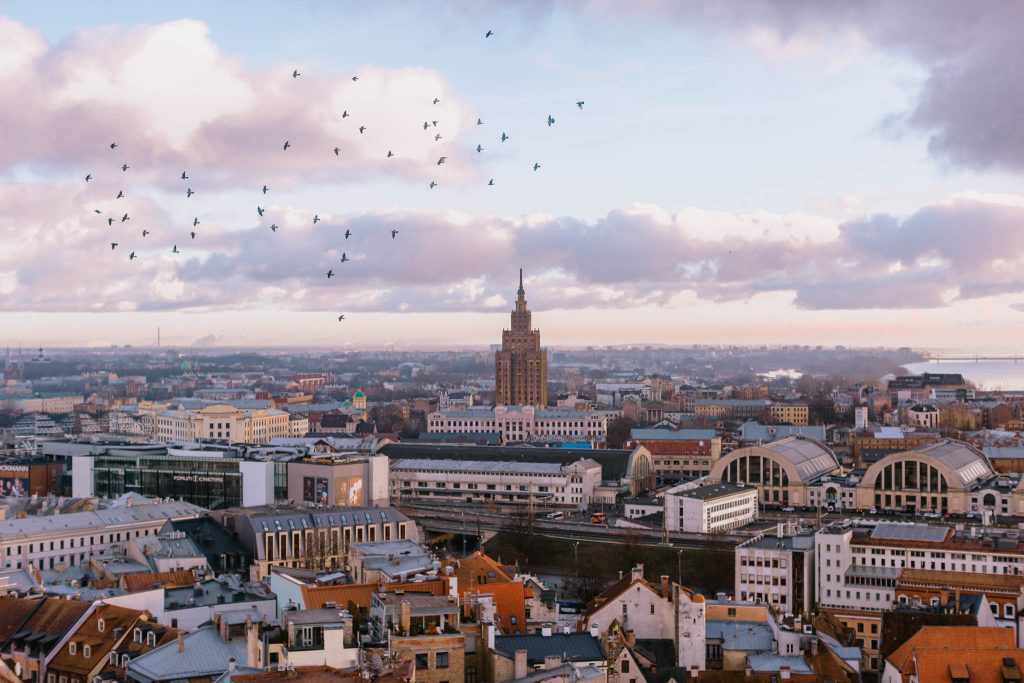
(756, 172)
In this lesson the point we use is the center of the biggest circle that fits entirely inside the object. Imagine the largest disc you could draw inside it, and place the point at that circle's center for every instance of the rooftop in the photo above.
(614, 462)
(712, 491)
(672, 434)
(572, 647)
(205, 654)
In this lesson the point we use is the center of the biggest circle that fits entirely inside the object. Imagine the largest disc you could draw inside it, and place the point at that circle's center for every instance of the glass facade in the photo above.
(211, 483)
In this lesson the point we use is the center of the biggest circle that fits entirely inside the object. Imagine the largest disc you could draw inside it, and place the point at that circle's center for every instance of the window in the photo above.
(514, 619)
(151, 639)
(86, 651)
(422, 661)
(441, 660)
(625, 666)
(137, 635)
(72, 649)
(624, 608)
(100, 625)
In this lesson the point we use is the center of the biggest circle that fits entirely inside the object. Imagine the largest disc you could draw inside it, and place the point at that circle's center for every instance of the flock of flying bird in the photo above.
(316, 217)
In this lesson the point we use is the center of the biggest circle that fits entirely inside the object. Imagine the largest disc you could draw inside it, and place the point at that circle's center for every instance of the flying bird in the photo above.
(296, 74)
(341, 317)
(580, 104)
(551, 120)
(504, 137)
(361, 129)
(113, 245)
(316, 219)
(183, 176)
(88, 177)
(479, 122)
(426, 124)
(436, 100)
(488, 34)
(189, 192)
(113, 145)
(175, 250)
(287, 145)
(110, 221)
(259, 210)
(355, 78)
(131, 256)
(491, 181)
(337, 151)
(330, 274)
(125, 218)
(273, 227)
(441, 160)
(264, 189)
(432, 186)
(97, 211)
(479, 148)
(434, 124)
(145, 232)
(193, 233)
(389, 154)
(195, 222)
(120, 194)
(348, 233)
(124, 167)
(393, 233)
(344, 114)
(344, 257)
(536, 166)
(437, 137)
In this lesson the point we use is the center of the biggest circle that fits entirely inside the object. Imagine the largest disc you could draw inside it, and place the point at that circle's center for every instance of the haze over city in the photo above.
(710, 173)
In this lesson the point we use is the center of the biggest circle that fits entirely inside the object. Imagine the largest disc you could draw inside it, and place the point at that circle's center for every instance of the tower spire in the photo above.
(522, 292)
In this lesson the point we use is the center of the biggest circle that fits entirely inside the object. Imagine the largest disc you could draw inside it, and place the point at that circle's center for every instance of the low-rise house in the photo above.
(318, 636)
(951, 654)
(30, 629)
(198, 656)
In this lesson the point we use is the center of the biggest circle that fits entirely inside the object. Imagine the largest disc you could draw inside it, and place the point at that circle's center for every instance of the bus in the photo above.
(598, 518)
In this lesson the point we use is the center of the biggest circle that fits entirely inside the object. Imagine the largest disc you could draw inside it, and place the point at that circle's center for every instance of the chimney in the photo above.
(519, 666)
(780, 530)
(694, 672)
(814, 646)
(404, 617)
(545, 630)
(231, 664)
(552, 662)
(748, 673)
(630, 637)
(181, 642)
(490, 635)
(784, 674)
(595, 630)
(943, 598)
(664, 586)
(638, 571)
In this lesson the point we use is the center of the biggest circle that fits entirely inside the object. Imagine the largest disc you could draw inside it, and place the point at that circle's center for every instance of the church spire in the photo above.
(522, 292)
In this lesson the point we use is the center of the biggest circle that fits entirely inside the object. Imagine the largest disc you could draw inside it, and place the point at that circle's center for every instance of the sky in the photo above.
(753, 171)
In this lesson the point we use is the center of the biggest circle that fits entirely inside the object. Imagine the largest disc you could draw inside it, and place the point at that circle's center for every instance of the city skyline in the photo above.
(753, 173)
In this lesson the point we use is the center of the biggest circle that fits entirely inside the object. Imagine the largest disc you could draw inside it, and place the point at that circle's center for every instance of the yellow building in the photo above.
(222, 422)
(789, 413)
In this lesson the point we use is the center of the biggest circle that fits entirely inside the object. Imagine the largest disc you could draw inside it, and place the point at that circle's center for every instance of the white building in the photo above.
(524, 423)
(710, 509)
(72, 539)
(777, 569)
(923, 415)
(223, 421)
(495, 481)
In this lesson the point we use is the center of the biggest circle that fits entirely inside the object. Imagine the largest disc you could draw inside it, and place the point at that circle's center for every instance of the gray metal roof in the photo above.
(745, 636)
(755, 431)
(909, 532)
(205, 654)
(550, 468)
(969, 463)
(614, 462)
(572, 647)
(673, 434)
(99, 520)
(810, 457)
(768, 663)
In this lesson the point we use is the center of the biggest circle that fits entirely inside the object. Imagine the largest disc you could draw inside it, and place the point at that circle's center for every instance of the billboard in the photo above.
(348, 491)
(314, 490)
(13, 480)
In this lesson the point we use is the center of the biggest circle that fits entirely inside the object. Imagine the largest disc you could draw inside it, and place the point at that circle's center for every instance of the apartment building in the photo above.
(710, 509)
(777, 569)
(223, 422)
(679, 454)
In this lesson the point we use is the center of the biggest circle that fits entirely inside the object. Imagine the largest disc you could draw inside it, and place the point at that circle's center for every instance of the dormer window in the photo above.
(100, 625)
(151, 639)
(113, 659)
(124, 661)
(86, 651)
(72, 649)
(138, 635)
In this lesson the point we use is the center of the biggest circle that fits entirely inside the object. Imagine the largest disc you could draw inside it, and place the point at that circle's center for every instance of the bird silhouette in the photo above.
(189, 192)
(131, 256)
(479, 148)
(195, 222)
(110, 221)
(124, 167)
(488, 34)
(287, 144)
(296, 74)
(390, 154)
(491, 181)
(145, 232)
(330, 274)
(97, 211)
(316, 219)
(361, 129)
(536, 166)
(580, 104)
(434, 124)
(479, 122)
(183, 176)
(273, 227)
(344, 257)
(504, 137)
(355, 78)
(437, 137)
(432, 184)
(125, 218)
(341, 317)
(175, 250)
(193, 233)
(337, 151)
(113, 245)
(120, 194)
(259, 210)
(394, 233)
(344, 114)
(551, 120)
(441, 160)
(348, 233)
(264, 189)
(88, 177)
(113, 145)
(436, 100)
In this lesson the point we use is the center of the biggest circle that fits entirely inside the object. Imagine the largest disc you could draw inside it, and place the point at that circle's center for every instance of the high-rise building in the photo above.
(521, 366)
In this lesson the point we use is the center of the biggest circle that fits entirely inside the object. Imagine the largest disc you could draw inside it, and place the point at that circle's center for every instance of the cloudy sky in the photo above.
(825, 172)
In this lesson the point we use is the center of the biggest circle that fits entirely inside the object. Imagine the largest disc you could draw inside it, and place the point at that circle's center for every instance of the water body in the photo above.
(993, 375)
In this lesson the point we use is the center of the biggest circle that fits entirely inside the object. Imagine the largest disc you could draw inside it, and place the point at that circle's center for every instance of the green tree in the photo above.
(618, 432)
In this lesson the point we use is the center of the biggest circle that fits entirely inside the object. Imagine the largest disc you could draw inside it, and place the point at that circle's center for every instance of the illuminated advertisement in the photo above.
(348, 491)
(314, 490)
(13, 480)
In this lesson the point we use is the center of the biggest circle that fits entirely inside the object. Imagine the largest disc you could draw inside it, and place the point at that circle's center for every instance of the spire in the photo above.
(522, 292)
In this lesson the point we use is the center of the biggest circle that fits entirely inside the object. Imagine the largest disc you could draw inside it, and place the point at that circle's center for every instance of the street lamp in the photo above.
(679, 566)
(575, 559)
